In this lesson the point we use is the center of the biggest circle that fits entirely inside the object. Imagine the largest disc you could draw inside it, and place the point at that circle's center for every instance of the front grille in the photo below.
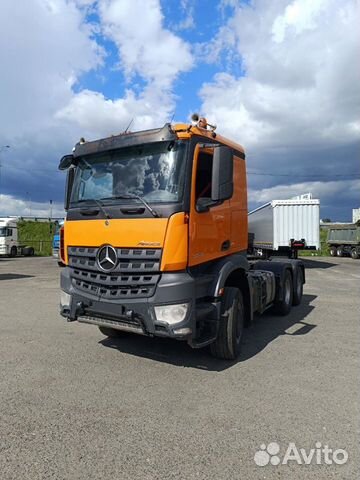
(135, 275)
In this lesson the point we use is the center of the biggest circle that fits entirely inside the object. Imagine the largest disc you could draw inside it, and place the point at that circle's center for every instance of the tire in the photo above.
(28, 252)
(284, 306)
(227, 345)
(110, 332)
(354, 254)
(332, 251)
(298, 287)
(13, 252)
(339, 252)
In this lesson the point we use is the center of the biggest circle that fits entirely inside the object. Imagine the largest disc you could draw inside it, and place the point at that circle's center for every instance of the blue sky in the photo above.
(279, 77)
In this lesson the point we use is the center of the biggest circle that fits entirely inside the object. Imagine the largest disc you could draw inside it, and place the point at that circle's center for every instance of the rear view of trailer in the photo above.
(285, 226)
(344, 240)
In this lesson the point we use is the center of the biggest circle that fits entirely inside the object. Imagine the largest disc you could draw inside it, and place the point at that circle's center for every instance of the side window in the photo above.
(203, 176)
(9, 232)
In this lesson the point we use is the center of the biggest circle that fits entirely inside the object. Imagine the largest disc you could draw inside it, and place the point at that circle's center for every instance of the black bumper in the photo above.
(138, 314)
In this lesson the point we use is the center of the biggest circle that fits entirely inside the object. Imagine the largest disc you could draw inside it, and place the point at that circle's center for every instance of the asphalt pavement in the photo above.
(76, 405)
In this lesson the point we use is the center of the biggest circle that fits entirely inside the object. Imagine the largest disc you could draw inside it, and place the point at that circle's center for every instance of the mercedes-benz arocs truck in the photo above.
(156, 236)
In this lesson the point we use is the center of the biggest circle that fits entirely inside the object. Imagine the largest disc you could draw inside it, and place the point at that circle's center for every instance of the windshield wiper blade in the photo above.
(99, 204)
(133, 196)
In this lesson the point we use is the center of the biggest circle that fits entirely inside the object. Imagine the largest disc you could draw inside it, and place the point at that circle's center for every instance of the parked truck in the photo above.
(344, 240)
(155, 239)
(9, 244)
(283, 227)
(56, 243)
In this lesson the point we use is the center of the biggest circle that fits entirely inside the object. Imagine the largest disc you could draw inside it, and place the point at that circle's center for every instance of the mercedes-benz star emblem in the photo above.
(106, 258)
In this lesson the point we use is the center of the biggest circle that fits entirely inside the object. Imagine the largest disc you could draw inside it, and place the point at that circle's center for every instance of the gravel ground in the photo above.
(76, 405)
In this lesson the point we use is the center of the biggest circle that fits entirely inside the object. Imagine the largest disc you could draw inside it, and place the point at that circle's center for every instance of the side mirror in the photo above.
(68, 187)
(66, 162)
(222, 186)
(203, 204)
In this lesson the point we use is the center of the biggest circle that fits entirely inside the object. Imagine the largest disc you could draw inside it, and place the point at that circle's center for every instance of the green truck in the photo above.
(344, 240)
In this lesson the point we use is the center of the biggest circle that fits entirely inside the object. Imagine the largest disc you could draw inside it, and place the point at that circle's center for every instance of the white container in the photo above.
(276, 224)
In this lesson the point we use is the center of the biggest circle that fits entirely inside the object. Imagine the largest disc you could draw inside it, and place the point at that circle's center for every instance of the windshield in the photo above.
(2, 231)
(156, 173)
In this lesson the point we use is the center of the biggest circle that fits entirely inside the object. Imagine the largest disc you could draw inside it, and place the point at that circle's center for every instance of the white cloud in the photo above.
(12, 206)
(99, 116)
(145, 46)
(146, 49)
(48, 46)
(344, 189)
(302, 75)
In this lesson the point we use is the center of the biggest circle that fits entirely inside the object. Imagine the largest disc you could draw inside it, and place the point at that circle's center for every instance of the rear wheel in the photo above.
(354, 254)
(228, 342)
(339, 252)
(332, 251)
(111, 332)
(283, 306)
(298, 287)
(28, 251)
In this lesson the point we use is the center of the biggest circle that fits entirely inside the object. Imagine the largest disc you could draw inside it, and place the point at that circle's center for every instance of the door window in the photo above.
(203, 176)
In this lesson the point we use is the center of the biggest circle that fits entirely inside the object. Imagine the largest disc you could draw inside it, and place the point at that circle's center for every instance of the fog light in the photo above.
(65, 299)
(171, 314)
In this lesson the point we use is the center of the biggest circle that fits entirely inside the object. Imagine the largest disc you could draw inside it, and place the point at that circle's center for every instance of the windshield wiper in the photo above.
(153, 212)
(99, 204)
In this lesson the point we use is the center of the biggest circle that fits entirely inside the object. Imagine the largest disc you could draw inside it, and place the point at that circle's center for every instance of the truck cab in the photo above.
(8, 237)
(155, 239)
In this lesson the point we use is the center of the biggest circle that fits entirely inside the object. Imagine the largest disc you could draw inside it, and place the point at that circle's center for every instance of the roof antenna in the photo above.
(127, 128)
(173, 115)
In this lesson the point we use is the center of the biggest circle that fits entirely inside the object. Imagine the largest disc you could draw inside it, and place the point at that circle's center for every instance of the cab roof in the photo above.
(167, 133)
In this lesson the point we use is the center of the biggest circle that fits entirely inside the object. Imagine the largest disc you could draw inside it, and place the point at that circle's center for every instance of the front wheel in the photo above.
(283, 306)
(13, 252)
(228, 342)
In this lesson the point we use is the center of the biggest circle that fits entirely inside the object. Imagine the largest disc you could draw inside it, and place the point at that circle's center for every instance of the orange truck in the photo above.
(156, 236)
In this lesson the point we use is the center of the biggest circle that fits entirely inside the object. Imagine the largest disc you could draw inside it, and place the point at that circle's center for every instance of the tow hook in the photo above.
(77, 311)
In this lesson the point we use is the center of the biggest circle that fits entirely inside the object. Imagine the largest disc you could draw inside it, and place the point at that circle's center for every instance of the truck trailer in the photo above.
(344, 240)
(155, 239)
(9, 244)
(283, 227)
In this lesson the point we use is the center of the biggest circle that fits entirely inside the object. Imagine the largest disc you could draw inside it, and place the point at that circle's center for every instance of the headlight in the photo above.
(171, 314)
(65, 299)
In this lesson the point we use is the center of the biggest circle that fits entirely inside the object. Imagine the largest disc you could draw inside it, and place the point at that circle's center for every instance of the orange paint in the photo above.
(175, 252)
(127, 233)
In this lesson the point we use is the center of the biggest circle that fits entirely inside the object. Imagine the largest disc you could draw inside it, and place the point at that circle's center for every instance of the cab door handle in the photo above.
(225, 245)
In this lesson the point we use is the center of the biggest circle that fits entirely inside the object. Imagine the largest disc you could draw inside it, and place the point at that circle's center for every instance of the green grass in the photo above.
(38, 235)
(324, 250)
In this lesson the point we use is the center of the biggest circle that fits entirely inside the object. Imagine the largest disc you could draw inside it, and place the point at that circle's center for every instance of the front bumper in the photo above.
(138, 315)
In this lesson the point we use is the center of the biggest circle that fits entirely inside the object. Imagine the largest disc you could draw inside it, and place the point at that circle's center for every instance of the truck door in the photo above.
(209, 232)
